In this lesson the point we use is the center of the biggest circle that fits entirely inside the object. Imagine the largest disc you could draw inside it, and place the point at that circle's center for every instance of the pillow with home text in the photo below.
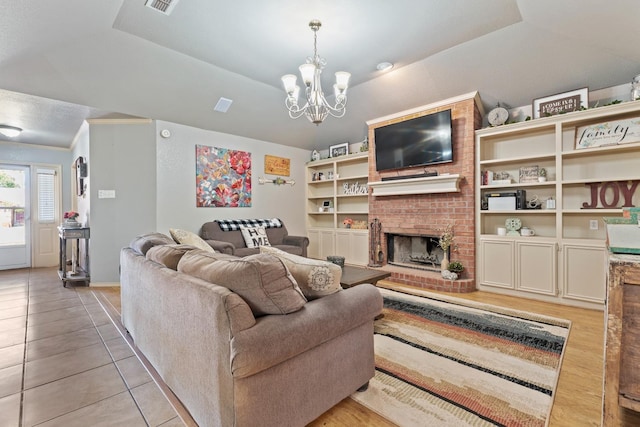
(254, 237)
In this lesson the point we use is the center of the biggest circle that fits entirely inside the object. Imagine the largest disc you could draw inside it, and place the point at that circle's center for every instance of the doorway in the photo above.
(15, 229)
(30, 200)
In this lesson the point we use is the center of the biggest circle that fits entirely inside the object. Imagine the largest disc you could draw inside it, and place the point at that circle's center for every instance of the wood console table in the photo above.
(77, 273)
(621, 397)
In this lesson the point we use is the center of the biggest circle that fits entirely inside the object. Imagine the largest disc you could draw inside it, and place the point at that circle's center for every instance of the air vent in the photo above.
(223, 105)
(163, 6)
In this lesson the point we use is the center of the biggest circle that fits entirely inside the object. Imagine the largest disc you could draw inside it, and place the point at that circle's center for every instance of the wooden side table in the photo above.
(77, 273)
(621, 399)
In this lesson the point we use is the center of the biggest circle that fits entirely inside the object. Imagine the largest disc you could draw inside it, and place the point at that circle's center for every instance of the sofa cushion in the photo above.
(141, 244)
(254, 236)
(316, 278)
(168, 255)
(189, 238)
(262, 280)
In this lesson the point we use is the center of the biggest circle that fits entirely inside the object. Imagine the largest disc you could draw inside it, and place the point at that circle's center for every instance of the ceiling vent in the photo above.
(223, 105)
(164, 6)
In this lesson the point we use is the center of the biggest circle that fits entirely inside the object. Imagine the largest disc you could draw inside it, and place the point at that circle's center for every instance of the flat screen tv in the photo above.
(421, 141)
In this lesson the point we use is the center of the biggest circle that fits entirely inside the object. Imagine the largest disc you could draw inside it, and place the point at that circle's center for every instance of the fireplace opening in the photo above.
(421, 252)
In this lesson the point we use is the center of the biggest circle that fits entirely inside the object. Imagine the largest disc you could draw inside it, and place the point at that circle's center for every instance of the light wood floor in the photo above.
(578, 400)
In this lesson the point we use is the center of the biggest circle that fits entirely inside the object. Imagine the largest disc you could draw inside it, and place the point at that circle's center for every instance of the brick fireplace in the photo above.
(426, 212)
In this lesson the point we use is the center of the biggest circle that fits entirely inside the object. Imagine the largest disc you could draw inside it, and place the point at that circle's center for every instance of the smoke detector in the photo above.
(162, 6)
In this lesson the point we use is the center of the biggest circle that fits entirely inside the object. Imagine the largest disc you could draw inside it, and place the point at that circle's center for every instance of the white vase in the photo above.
(444, 264)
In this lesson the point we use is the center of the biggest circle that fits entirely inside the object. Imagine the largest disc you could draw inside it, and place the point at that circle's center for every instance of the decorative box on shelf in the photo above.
(501, 182)
(623, 234)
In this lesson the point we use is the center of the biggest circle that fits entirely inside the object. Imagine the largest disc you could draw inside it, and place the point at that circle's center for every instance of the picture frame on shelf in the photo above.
(529, 174)
(561, 103)
(326, 206)
(339, 150)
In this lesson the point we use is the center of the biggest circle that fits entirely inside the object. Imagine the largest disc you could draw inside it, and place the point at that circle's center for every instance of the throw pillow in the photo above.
(254, 236)
(141, 244)
(316, 278)
(168, 255)
(261, 280)
(188, 238)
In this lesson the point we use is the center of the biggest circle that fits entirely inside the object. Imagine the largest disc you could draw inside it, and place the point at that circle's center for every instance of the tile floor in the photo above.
(64, 363)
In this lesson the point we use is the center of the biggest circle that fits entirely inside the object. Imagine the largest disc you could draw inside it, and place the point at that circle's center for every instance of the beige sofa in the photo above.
(225, 236)
(228, 365)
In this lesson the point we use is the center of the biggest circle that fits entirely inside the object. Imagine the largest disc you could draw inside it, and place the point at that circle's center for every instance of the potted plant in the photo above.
(542, 175)
(456, 267)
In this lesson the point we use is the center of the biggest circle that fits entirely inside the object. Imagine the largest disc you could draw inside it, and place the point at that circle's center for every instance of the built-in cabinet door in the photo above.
(497, 263)
(327, 243)
(536, 267)
(585, 272)
(353, 246)
(313, 250)
(343, 245)
(321, 243)
(360, 248)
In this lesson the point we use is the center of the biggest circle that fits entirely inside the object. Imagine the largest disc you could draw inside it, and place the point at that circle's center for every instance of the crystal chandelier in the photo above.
(316, 108)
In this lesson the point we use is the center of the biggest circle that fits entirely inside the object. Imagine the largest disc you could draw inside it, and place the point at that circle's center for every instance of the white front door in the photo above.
(46, 215)
(15, 230)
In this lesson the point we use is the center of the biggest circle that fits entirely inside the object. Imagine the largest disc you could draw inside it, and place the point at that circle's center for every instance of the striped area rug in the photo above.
(445, 361)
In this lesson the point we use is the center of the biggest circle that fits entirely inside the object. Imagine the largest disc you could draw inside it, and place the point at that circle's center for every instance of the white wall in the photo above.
(121, 157)
(154, 183)
(176, 169)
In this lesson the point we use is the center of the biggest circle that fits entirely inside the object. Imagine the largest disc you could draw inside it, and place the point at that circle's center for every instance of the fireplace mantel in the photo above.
(446, 183)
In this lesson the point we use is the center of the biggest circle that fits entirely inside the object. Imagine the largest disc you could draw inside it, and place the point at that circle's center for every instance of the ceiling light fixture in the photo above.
(384, 66)
(317, 108)
(10, 131)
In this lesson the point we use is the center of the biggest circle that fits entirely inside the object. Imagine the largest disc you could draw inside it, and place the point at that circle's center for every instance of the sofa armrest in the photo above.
(302, 241)
(222, 247)
(277, 338)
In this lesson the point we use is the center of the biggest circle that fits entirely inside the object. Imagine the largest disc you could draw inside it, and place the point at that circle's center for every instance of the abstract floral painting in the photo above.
(223, 177)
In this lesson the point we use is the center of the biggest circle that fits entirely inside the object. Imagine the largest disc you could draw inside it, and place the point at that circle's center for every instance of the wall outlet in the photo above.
(593, 224)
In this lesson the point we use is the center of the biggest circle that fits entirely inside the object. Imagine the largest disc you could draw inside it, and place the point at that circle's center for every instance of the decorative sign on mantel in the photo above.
(611, 133)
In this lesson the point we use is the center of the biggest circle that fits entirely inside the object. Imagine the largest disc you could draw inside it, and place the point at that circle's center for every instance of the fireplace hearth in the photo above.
(421, 252)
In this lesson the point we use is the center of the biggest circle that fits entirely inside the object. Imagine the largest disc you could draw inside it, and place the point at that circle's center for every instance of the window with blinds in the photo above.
(46, 195)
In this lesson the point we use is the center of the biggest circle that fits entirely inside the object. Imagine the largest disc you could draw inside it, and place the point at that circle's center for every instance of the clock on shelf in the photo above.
(498, 116)
(513, 225)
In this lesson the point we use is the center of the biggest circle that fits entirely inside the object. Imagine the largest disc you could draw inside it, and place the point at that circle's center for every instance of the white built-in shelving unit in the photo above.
(329, 204)
(566, 260)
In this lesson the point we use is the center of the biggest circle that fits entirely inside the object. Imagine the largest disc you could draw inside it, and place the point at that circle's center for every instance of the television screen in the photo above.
(421, 141)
